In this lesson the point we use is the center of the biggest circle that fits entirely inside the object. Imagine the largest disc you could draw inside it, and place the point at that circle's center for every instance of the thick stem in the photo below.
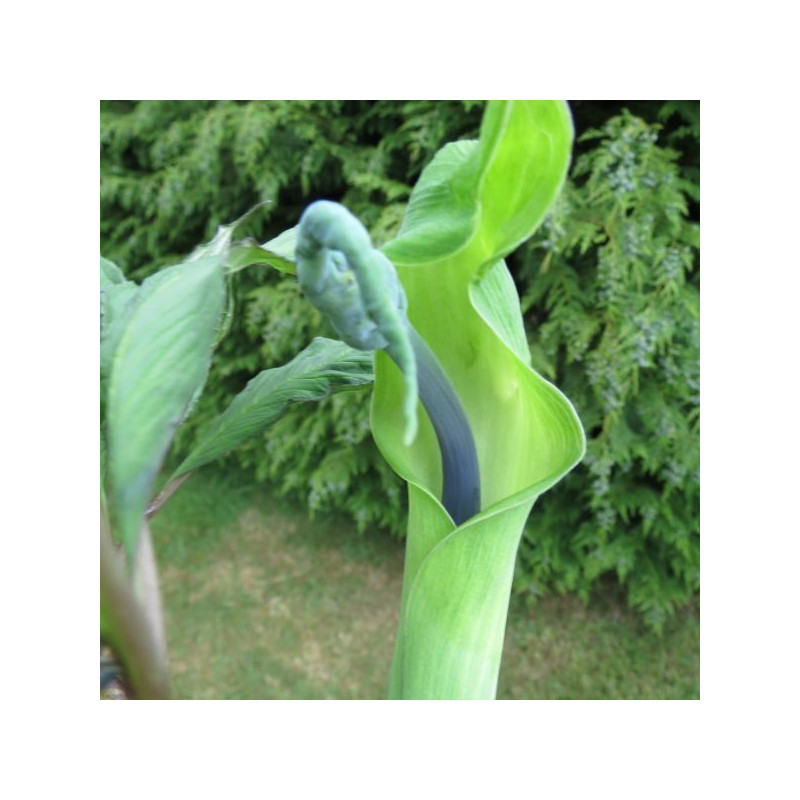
(461, 482)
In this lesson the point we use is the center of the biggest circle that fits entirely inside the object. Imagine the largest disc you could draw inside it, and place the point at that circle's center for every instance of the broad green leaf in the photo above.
(155, 356)
(323, 367)
(474, 203)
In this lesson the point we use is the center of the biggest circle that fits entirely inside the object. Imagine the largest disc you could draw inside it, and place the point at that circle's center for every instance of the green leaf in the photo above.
(110, 273)
(155, 357)
(277, 253)
(474, 203)
(283, 245)
(325, 366)
(115, 293)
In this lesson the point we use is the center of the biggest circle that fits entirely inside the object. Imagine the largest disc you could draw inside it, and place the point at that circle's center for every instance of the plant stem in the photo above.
(131, 618)
(165, 494)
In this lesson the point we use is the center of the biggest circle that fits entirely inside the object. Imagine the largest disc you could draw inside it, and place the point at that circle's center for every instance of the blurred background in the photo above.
(281, 566)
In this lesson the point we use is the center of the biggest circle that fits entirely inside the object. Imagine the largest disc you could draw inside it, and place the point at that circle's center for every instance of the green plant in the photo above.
(172, 171)
(473, 205)
(456, 326)
(156, 343)
(449, 320)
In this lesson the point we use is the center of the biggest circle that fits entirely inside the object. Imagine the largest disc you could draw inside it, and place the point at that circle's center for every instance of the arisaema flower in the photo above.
(494, 434)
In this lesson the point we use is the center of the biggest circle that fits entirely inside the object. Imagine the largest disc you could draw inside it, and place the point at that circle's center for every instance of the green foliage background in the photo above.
(610, 288)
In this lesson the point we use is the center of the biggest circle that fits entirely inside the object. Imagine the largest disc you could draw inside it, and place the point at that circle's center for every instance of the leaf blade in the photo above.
(325, 366)
(157, 358)
(278, 253)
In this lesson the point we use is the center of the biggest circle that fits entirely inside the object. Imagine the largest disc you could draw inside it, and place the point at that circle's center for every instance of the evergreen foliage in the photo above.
(612, 291)
(610, 287)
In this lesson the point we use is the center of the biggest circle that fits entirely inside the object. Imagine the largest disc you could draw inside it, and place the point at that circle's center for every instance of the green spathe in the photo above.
(473, 205)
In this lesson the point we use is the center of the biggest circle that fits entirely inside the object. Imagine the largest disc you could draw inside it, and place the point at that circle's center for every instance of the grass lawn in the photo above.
(263, 603)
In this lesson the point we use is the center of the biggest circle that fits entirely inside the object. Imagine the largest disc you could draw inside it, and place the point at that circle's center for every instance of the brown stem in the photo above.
(165, 494)
(130, 611)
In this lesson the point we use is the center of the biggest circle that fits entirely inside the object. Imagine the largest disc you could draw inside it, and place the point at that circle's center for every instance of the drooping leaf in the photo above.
(155, 357)
(325, 366)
